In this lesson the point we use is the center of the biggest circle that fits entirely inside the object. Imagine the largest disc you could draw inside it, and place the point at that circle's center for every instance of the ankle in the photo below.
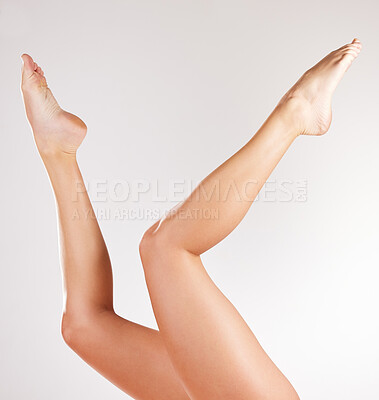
(52, 157)
(290, 112)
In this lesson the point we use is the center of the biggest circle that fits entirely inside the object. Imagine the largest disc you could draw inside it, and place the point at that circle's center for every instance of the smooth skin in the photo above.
(131, 356)
(203, 350)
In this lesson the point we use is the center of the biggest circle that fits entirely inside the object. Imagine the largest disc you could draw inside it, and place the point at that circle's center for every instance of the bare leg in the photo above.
(131, 356)
(213, 350)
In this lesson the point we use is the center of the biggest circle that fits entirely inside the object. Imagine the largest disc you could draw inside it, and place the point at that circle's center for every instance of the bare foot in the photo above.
(311, 96)
(55, 130)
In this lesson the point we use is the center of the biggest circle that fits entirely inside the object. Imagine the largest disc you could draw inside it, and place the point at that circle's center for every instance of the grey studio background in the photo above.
(169, 90)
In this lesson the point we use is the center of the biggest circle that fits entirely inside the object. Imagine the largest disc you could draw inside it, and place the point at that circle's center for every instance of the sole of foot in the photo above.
(310, 99)
(55, 131)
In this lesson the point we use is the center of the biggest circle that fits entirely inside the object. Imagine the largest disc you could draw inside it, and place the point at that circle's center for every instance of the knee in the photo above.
(70, 330)
(75, 330)
(154, 240)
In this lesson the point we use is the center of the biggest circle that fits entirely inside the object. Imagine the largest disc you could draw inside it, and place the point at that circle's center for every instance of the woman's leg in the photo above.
(131, 356)
(213, 350)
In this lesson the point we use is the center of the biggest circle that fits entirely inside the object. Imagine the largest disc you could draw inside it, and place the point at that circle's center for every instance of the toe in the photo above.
(32, 74)
(347, 57)
(357, 43)
(28, 65)
(350, 54)
(352, 49)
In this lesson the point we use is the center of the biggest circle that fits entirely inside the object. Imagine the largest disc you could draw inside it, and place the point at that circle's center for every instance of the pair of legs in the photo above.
(203, 350)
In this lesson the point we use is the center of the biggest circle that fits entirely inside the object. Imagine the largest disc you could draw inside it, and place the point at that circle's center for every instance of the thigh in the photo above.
(131, 356)
(213, 350)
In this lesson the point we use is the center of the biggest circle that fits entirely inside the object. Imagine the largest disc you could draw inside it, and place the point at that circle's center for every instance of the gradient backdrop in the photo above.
(169, 90)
